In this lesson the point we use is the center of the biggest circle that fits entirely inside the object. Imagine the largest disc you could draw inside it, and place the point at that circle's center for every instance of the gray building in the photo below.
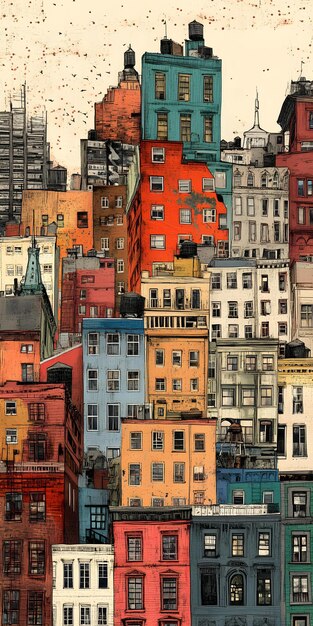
(235, 566)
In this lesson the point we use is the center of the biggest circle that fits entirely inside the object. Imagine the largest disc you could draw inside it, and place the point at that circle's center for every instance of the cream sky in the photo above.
(69, 53)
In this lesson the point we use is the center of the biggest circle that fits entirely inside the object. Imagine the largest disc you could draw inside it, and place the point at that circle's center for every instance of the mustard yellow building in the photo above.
(168, 462)
(177, 340)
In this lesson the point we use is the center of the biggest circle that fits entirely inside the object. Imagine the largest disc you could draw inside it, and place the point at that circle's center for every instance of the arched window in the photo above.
(236, 589)
(264, 180)
(250, 179)
(275, 180)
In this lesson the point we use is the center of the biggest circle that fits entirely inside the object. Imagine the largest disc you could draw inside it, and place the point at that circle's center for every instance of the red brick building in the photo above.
(117, 116)
(174, 201)
(41, 457)
(87, 290)
(110, 231)
(296, 119)
(152, 566)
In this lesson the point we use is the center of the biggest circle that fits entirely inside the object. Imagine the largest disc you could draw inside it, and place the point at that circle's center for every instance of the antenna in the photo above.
(301, 66)
(33, 236)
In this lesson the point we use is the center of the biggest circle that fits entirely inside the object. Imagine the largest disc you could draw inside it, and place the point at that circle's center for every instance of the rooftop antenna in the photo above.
(33, 236)
(301, 66)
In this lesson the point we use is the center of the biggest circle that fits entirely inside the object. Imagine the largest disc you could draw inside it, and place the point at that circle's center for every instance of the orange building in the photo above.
(117, 117)
(177, 342)
(168, 463)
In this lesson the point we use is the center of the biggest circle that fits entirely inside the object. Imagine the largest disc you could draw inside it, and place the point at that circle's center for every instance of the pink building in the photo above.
(66, 367)
(152, 566)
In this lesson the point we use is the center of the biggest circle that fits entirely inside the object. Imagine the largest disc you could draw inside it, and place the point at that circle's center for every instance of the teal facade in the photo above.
(255, 486)
(197, 64)
(297, 552)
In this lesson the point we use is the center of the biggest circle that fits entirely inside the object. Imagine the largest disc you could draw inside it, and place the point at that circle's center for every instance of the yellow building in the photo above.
(177, 341)
(168, 462)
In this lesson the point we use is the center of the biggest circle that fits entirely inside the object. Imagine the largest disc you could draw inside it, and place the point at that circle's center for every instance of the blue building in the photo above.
(235, 566)
(114, 380)
(181, 101)
(248, 486)
(93, 513)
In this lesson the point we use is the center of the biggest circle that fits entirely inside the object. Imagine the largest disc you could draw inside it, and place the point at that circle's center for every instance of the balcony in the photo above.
(171, 304)
(230, 510)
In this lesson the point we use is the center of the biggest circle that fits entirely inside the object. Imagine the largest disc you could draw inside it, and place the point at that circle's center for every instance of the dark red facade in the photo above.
(87, 291)
(296, 118)
(38, 495)
(152, 567)
(174, 201)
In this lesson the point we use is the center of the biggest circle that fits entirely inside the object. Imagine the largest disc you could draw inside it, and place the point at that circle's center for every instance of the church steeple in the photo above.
(255, 137)
(256, 110)
(33, 282)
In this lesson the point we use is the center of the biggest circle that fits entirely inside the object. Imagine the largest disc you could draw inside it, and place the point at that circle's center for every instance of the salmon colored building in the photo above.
(40, 461)
(117, 116)
(171, 201)
(66, 367)
(152, 566)
(168, 462)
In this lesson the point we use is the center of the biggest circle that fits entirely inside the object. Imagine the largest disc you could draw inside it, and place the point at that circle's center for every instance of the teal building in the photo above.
(182, 100)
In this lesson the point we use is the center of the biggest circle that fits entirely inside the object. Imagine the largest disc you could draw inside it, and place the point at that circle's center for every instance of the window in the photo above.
(157, 212)
(35, 608)
(216, 281)
(159, 357)
(120, 287)
(237, 545)
(208, 129)
(98, 517)
(12, 557)
(92, 417)
(119, 243)
(208, 88)
(238, 496)
(268, 363)
(184, 186)
(208, 587)
(264, 544)
(264, 587)
(92, 380)
(198, 473)
(300, 620)
(237, 231)
(27, 372)
(132, 345)
(228, 396)
(185, 216)
(133, 381)
(178, 440)
(102, 575)
(300, 588)
(36, 557)
(120, 266)
(265, 329)
(220, 179)
(306, 315)
(156, 183)
(13, 507)
(236, 589)
(209, 545)
(169, 594)
(299, 504)
(233, 331)
(216, 309)
(185, 127)
(169, 547)
(231, 280)
(162, 128)
(134, 477)
(160, 384)
(299, 440)
(216, 331)
(176, 384)
(179, 472)
(135, 441)
(281, 439)
(10, 408)
(68, 616)
(84, 575)
(238, 205)
(93, 343)
(266, 396)
(184, 87)
(113, 343)
(82, 309)
(194, 358)
(157, 440)
(135, 593)
(250, 363)
(11, 435)
(134, 548)
(300, 547)
(160, 85)
(297, 400)
(37, 507)
(68, 575)
(37, 442)
(248, 396)
(11, 607)
(199, 442)
(176, 357)
(84, 617)
(113, 413)
(157, 242)
(158, 155)
(157, 472)
(300, 186)
(250, 207)
(252, 231)
(104, 202)
(282, 328)
(82, 219)
(27, 347)
(282, 281)
(113, 380)
(282, 307)
(248, 309)
(208, 216)
(264, 233)
(232, 363)
(232, 309)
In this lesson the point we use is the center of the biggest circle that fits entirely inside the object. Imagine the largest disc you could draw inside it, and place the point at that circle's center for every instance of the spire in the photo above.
(256, 110)
(33, 282)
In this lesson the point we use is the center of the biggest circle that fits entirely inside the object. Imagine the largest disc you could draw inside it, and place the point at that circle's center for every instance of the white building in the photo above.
(260, 212)
(243, 397)
(83, 585)
(295, 424)
(302, 302)
(250, 299)
(13, 264)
